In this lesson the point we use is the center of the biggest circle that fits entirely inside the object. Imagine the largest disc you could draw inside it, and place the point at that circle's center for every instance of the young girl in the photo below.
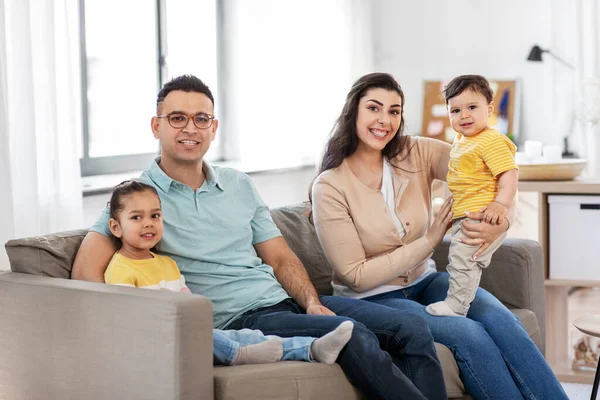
(136, 221)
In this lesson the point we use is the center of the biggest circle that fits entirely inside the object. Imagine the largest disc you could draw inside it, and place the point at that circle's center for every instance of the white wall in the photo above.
(439, 39)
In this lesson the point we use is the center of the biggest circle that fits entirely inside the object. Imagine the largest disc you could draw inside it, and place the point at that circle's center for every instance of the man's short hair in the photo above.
(476, 83)
(185, 83)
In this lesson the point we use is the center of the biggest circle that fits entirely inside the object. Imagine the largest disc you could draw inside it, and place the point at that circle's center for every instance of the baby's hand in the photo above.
(494, 213)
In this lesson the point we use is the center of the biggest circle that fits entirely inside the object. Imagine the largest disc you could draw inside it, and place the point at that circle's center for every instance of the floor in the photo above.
(578, 391)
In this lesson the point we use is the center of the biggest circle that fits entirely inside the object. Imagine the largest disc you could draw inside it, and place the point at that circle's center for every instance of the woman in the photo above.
(372, 212)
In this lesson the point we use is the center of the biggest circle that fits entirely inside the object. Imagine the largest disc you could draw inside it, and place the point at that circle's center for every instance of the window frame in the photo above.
(91, 166)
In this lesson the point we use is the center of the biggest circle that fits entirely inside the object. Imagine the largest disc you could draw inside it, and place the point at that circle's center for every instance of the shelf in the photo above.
(565, 373)
(576, 186)
(569, 283)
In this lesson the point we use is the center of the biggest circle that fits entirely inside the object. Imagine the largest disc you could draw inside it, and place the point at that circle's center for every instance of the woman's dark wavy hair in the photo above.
(344, 140)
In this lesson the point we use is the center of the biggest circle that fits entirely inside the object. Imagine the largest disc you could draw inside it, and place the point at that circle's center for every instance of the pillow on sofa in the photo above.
(301, 236)
(49, 255)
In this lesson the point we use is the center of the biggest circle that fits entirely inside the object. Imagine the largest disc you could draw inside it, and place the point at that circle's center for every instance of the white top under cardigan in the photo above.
(387, 190)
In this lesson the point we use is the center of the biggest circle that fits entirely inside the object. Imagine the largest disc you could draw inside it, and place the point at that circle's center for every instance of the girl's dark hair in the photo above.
(123, 189)
(343, 141)
(476, 83)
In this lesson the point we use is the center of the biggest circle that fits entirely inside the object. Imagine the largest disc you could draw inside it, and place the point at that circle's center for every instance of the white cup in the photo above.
(533, 150)
(552, 154)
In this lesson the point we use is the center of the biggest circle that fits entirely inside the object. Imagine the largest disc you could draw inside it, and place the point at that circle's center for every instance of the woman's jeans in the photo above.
(227, 343)
(496, 357)
(390, 355)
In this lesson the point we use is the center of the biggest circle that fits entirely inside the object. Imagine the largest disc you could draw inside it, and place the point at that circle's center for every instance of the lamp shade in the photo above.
(535, 54)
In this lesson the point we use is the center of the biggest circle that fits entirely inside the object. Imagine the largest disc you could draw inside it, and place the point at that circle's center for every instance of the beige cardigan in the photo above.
(357, 232)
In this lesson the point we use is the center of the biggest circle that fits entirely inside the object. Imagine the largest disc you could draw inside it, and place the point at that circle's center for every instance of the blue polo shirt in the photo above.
(210, 233)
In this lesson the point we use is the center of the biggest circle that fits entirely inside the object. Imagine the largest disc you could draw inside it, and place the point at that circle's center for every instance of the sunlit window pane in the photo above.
(121, 76)
(292, 66)
(192, 47)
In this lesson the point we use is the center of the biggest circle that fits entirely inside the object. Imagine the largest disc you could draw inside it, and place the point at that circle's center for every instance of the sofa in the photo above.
(66, 339)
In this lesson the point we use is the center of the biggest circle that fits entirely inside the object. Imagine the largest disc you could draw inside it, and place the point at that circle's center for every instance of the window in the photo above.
(129, 50)
(290, 65)
(284, 69)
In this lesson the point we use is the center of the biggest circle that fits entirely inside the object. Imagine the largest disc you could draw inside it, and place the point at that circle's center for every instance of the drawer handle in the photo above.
(589, 206)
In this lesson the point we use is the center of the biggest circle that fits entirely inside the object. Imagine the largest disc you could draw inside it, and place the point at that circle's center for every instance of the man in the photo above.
(220, 233)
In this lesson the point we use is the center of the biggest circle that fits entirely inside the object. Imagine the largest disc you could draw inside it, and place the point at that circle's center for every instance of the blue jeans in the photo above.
(496, 357)
(227, 343)
(390, 355)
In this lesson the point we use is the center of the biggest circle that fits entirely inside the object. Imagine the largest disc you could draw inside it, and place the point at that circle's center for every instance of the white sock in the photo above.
(441, 308)
(269, 351)
(326, 349)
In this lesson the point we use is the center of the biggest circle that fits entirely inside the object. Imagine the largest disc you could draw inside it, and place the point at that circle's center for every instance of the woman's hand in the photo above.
(482, 234)
(440, 225)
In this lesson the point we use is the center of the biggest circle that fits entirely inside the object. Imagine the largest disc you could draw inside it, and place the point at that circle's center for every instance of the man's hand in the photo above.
(494, 213)
(318, 309)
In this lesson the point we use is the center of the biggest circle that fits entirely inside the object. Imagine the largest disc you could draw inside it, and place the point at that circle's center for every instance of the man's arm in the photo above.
(291, 274)
(93, 257)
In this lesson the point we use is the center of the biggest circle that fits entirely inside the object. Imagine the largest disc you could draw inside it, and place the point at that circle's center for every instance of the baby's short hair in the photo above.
(476, 83)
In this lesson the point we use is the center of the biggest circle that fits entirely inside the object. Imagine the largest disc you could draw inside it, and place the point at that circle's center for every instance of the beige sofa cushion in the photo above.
(302, 238)
(301, 380)
(50, 255)
(283, 380)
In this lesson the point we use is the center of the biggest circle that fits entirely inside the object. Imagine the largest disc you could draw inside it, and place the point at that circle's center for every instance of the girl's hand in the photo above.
(440, 225)
(482, 234)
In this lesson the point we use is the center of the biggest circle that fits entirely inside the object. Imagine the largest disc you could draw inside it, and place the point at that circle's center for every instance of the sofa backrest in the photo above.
(53, 255)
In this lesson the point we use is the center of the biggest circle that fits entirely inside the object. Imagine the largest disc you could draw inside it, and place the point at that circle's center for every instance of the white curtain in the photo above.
(577, 39)
(39, 118)
(588, 61)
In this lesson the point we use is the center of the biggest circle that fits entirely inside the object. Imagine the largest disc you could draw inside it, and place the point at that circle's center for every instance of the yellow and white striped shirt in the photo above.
(474, 166)
(159, 272)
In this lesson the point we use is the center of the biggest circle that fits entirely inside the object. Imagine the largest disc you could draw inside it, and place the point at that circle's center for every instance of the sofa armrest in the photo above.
(515, 275)
(64, 339)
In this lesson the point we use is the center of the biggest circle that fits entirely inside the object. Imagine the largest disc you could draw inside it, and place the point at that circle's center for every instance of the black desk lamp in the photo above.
(536, 55)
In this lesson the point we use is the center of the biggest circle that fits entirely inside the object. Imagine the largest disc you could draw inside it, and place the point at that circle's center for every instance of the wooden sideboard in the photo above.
(533, 208)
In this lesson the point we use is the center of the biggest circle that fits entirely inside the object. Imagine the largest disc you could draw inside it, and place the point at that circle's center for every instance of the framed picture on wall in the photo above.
(505, 118)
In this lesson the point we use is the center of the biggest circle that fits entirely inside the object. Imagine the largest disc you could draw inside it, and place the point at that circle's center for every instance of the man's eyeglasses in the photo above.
(179, 120)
